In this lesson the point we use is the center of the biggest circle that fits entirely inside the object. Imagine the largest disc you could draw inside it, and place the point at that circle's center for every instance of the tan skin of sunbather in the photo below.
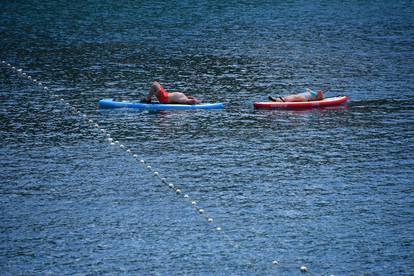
(309, 95)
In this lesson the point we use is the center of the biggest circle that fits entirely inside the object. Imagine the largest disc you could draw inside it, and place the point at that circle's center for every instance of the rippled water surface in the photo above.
(330, 189)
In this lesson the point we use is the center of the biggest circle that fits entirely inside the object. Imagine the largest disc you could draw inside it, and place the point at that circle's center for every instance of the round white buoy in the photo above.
(178, 191)
(218, 228)
(193, 203)
(275, 262)
(201, 211)
(186, 196)
(149, 167)
(171, 185)
(156, 173)
(210, 220)
(303, 268)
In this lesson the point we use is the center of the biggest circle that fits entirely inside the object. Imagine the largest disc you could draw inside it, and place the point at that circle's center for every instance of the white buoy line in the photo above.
(171, 186)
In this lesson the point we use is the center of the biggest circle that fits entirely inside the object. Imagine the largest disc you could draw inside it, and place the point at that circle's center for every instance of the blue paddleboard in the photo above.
(109, 103)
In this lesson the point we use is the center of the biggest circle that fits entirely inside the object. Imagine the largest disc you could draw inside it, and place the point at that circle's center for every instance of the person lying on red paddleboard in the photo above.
(307, 96)
(164, 97)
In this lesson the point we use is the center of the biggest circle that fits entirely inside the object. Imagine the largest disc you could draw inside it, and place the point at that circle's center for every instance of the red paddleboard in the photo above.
(322, 103)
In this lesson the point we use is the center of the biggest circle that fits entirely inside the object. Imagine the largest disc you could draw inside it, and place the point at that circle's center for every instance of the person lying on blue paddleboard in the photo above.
(307, 96)
(164, 97)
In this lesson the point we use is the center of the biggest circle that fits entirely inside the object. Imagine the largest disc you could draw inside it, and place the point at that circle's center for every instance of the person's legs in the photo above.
(290, 98)
(278, 99)
(181, 98)
(295, 98)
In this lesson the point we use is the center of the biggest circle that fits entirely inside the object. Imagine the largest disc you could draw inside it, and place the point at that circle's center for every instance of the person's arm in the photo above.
(149, 96)
(154, 89)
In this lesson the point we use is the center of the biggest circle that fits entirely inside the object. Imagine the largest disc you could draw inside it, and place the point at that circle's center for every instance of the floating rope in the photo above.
(173, 187)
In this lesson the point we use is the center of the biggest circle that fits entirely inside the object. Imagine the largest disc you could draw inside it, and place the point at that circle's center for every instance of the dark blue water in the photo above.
(330, 189)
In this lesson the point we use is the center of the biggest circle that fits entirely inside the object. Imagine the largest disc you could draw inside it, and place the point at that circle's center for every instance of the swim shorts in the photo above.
(162, 95)
(310, 95)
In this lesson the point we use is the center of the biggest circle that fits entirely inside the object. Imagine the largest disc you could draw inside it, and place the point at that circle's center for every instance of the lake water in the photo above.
(330, 189)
